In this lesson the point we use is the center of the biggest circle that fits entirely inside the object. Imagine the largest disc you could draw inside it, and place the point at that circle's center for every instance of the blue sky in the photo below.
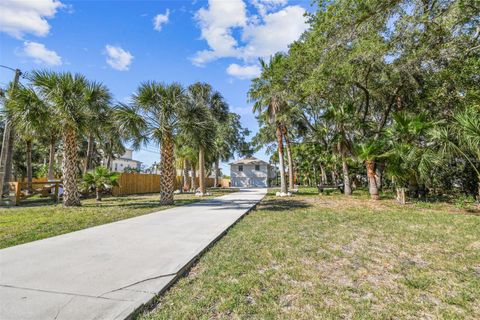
(122, 43)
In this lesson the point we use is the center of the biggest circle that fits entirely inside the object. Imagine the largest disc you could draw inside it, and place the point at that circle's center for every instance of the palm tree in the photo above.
(100, 179)
(369, 152)
(154, 116)
(461, 138)
(199, 123)
(342, 121)
(29, 113)
(65, 94)
(229, 139)
(268, 94)
(98, 100)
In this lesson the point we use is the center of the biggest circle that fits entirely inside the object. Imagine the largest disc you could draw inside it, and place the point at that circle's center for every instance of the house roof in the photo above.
(249, 160)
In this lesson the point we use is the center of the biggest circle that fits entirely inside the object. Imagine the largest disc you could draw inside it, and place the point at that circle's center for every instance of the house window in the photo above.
(257, 167)
(240, 168)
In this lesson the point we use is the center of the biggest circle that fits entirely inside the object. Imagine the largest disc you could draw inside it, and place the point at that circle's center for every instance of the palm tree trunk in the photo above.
(109, 156)
(323, 179)
(201, 169)
(478, 190)
(98, 194)
(290, 160)
(51, 159)
(29, 165)
(71, 196)
(186, 184)
(283, 185)
(194, 178)
(413, 187)
(167, 171)
(217, 171)
(7, 155)
(379, 168)
(88, 158)
(347, 186)
(372, 182)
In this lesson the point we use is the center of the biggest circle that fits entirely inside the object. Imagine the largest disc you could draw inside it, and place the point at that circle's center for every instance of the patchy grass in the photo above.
(32, 221)
(331, 257)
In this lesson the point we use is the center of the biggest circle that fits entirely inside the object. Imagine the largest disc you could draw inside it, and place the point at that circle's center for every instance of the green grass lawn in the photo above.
(36, 220)
(331, 257)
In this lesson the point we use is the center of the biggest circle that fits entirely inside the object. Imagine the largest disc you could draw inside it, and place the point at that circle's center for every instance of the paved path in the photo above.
(107, 272)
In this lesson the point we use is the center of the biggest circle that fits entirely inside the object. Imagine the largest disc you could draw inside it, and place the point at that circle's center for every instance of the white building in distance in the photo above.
(124, 162)
(250, 172)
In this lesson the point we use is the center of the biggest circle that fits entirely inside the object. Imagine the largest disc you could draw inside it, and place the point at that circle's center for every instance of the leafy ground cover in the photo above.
(36, 220)
(329, 257)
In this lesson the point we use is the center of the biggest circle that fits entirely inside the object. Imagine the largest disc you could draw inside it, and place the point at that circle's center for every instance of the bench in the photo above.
(322, 187)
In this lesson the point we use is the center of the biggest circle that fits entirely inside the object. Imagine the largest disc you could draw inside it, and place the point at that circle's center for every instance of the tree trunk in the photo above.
(98, 194)
(401, 195)
(347, 186)
(109, 162)
(194, 178)
(71, 196)
(283, 185)
(291, 181)
(323, 179)
(186, 183)
(413, 187)
(109, 154)
(167, 170)
(379, 168)
(51, 159)
(372, 182)
(88, 158)
(478, 191)
(29, 165)
(201, 169)
(217, 171)
(7, 155)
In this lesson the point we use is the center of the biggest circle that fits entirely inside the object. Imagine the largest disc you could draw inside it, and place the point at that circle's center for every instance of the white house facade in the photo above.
(250, 172)
(124, 162)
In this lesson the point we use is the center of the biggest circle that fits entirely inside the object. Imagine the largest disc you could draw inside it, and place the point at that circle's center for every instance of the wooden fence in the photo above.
(136, 183)
(42, 188)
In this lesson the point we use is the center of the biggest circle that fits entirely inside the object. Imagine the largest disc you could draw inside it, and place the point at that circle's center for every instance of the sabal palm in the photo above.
(368, 153)
(340, 120)
(268, 94)
(97, 100)
(229, 139)
(100, 179)
(461, 138)
(65, 94)
(154, 116)
(199, 123)
(30, 115)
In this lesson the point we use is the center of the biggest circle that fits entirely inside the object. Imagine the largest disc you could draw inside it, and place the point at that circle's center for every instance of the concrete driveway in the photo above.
(109, 271)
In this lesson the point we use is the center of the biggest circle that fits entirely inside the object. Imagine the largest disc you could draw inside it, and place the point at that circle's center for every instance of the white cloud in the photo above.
(232, 32)
(41, 54)
(217, 23)
(19, 17)
(264, 6)
(243, 72)
(161, 19)
(243, 111)
(265, 39)
(118, 58)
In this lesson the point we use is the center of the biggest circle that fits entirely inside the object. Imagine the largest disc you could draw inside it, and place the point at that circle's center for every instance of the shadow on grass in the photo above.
(283, 204)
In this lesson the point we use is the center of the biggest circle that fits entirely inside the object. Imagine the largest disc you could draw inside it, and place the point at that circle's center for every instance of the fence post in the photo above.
(56, 191)
(18, 192)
